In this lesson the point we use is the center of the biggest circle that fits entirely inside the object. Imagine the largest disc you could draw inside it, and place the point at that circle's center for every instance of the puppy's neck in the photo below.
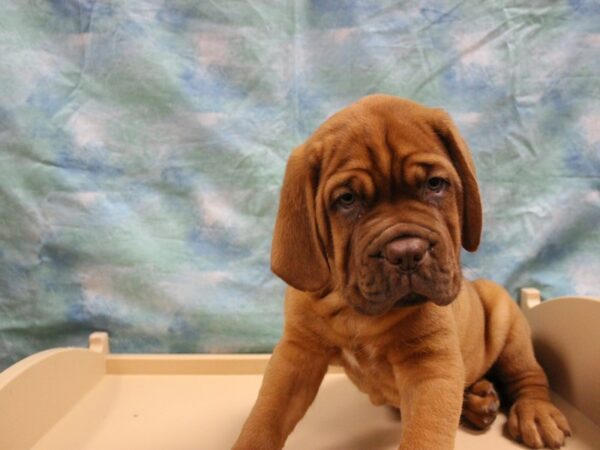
(345, 323)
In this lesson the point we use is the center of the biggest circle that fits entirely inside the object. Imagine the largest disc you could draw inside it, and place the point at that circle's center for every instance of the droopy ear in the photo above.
(463, 162)
(297, 254)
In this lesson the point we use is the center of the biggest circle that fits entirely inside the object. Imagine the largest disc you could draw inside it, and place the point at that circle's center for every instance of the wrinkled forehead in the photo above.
(391, 146)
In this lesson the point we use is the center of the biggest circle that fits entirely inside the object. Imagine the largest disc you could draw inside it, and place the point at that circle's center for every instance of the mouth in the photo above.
(410, 299)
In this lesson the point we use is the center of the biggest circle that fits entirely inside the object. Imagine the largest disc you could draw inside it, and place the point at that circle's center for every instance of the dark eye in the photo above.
(347, 199)
(436, 184)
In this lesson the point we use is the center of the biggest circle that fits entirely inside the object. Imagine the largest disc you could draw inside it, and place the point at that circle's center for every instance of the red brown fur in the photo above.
(374, 210)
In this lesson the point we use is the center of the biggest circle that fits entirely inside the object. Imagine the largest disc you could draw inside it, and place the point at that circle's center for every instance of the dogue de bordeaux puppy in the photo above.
(375, 207)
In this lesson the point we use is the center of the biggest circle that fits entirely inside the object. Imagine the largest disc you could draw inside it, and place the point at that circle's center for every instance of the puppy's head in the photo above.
(377, 204)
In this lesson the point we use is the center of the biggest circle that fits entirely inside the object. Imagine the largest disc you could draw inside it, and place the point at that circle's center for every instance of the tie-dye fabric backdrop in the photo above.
(142, 146)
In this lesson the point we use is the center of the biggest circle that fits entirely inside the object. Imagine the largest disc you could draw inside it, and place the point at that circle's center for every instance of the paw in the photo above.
(480, 404)
(537, 424)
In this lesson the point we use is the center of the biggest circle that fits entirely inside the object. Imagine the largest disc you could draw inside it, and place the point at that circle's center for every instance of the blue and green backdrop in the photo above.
(142, 146)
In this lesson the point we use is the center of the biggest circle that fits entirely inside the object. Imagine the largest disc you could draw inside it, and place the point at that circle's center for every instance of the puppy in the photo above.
(374, 210)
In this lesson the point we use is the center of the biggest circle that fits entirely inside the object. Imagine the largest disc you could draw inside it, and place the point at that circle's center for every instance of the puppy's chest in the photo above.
(368, 368)
(363, 349)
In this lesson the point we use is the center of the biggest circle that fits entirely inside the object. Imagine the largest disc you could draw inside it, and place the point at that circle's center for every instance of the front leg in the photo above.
(431, 389)
(532, 419)
(289, 386)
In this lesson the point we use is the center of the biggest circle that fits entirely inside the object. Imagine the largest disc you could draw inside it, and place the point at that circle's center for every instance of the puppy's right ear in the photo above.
(297, 253)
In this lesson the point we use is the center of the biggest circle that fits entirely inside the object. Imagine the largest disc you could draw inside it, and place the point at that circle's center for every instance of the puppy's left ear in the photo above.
(463, 162)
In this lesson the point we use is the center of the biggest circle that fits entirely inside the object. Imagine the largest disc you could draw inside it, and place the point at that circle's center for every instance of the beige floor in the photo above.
(205, 412)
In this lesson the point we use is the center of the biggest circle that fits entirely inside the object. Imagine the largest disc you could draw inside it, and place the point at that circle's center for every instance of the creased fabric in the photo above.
(142, 147)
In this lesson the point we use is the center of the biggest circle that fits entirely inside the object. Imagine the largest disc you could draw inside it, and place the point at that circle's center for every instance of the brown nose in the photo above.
(406, 253)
